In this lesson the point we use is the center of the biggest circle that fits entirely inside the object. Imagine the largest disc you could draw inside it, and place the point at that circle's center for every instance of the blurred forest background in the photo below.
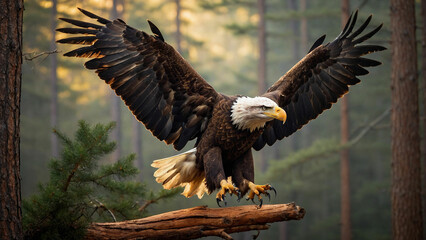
(220, 39)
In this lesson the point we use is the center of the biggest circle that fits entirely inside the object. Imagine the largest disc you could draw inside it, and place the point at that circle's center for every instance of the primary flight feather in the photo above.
(177, 105)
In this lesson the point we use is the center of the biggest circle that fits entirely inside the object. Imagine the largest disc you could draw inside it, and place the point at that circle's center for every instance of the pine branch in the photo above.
(101, 205)
(67, 183)
(163, 194)
(32, 56)
(369, 127)
(92, 145)
(72, 198)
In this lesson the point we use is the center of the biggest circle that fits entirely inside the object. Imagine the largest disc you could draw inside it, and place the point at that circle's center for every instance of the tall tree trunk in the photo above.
(261, 72)
(178, 32)
(53, 82)
(406, 189)
(345, 214)
(303, 29)
(424, 114)
(304, 47)
(283, 230)
(115, 100)
(10, 98)
(137, 145)
(293, 140)
(294, 24)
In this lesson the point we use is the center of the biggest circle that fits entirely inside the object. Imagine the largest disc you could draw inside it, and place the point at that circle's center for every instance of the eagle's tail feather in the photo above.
(180, 170)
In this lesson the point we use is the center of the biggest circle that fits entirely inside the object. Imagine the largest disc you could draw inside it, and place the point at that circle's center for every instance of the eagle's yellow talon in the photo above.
(226, 186)
(257, 190)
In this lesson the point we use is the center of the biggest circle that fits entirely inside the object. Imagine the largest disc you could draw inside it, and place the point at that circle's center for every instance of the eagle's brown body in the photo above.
(177, 105)
(223, 143)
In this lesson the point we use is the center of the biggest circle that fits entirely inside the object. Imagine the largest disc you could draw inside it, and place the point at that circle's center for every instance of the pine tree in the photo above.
(82, 190)
(10, 105)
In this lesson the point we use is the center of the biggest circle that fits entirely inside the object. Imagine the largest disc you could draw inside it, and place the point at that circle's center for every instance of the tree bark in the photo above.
(115, 100)
(137, 145)
(197, 222)
(10, 98)
(423, 6)
(178, 24)
(303, 28)
(345, 195)
(53, 82)
(406, 187)
(261, 72)
(295, 29)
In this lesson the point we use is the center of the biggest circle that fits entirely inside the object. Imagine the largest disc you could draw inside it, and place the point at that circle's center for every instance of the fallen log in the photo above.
(197, 222)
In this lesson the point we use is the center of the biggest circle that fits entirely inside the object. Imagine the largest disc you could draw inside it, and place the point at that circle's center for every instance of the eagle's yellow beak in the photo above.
(277, 113)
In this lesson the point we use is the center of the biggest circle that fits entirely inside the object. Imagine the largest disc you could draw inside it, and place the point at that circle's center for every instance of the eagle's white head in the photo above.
(252, 113)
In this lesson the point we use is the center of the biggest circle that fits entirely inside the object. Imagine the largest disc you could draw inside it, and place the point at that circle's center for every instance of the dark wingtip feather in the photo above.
(81, 23)
(347, 24)
(87, 40)
(77, 31)
(318, 42)
(155, 31)
(94, 16)
(366, 62)
(367, 35)
(361, 28)
(351, 25)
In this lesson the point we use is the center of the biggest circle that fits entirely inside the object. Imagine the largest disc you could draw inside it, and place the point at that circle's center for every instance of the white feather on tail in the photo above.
(180, 170)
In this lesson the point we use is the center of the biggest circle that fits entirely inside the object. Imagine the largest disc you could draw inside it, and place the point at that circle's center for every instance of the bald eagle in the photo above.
(177, 105)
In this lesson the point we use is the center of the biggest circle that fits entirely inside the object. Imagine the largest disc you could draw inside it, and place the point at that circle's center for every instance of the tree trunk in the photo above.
(303, 29)
(261, 73)
(304, 48)
(178, 32)
(137, 145)
(115, 100)
(10, 98)
(294, 25)
(283, 230)
(406, 189)
(53, 82)
(424, 114)
(197, 222)
(345, 207)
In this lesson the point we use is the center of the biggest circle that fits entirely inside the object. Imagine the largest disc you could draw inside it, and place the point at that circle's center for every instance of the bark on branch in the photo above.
(197, 222)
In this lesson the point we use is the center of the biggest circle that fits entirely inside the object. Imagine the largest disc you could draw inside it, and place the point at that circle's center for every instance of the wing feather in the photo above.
(319, 79)
(160, 88)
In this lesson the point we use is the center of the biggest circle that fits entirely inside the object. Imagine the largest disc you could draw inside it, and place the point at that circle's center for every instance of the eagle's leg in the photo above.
(257, 190)
(215, 175)
(243, 172)
(243, 177)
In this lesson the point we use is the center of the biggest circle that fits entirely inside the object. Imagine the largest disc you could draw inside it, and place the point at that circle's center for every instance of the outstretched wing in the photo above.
(319, 79)
(160, 88)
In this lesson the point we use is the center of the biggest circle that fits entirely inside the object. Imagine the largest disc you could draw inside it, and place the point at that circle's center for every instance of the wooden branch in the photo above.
(197, 222)
(32, 56)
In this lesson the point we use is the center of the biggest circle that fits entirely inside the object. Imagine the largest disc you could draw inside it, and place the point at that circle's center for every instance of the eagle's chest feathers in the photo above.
(234, 141)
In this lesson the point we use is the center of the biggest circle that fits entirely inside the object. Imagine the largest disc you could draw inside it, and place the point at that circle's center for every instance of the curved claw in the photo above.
(239, 195)
(269, 195)
(275, 191)
(218, 202)
(221, 200)
(261, 202)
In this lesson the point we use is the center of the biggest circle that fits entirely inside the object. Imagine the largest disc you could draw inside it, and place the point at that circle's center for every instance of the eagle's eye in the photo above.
(264, 108)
